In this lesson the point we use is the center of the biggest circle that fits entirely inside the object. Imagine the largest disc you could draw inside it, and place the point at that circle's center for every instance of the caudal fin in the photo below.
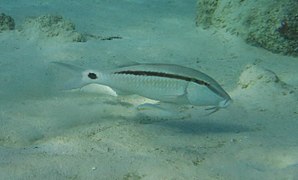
(68, 76)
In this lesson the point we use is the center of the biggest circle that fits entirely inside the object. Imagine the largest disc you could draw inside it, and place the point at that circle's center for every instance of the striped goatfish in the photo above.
(166, 83)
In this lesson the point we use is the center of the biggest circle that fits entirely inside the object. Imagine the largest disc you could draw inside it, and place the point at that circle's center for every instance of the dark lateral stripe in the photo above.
(166, 75)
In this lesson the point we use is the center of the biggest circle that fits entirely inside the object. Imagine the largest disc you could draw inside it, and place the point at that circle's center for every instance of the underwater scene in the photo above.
(148, 89)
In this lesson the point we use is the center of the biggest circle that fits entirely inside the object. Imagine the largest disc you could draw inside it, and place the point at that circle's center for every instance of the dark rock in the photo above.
(6, 22)
(270, 24)
(52, 26)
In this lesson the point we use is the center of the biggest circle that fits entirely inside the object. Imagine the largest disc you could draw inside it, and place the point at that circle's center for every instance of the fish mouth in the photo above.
(222, 104)
(225, 103)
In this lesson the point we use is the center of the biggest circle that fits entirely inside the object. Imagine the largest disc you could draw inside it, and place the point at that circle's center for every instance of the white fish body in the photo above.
(162, 82)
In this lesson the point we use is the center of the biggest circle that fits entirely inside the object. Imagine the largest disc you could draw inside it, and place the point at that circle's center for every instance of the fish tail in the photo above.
(71, 75)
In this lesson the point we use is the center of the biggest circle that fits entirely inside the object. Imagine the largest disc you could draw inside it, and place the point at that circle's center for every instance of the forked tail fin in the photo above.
(71, 76)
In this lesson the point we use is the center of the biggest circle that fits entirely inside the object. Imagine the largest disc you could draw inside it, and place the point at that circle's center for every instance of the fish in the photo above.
(166, 83)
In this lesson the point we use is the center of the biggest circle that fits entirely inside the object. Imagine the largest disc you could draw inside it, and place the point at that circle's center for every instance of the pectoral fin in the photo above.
(121, 93)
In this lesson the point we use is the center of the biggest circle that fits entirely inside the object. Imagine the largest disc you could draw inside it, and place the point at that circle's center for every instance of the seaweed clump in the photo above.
(289, 28)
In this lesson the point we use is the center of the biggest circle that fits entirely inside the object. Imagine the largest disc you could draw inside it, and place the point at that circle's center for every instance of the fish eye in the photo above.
(92, 75)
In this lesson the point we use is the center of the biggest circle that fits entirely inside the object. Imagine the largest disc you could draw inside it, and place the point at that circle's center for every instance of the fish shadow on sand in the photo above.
(191, 127)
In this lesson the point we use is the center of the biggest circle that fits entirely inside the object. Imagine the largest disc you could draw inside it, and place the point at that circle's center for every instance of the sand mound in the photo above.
(258, 78)
(263, 89)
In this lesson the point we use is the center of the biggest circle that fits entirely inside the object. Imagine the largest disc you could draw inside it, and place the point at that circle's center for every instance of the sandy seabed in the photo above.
(48, 133)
